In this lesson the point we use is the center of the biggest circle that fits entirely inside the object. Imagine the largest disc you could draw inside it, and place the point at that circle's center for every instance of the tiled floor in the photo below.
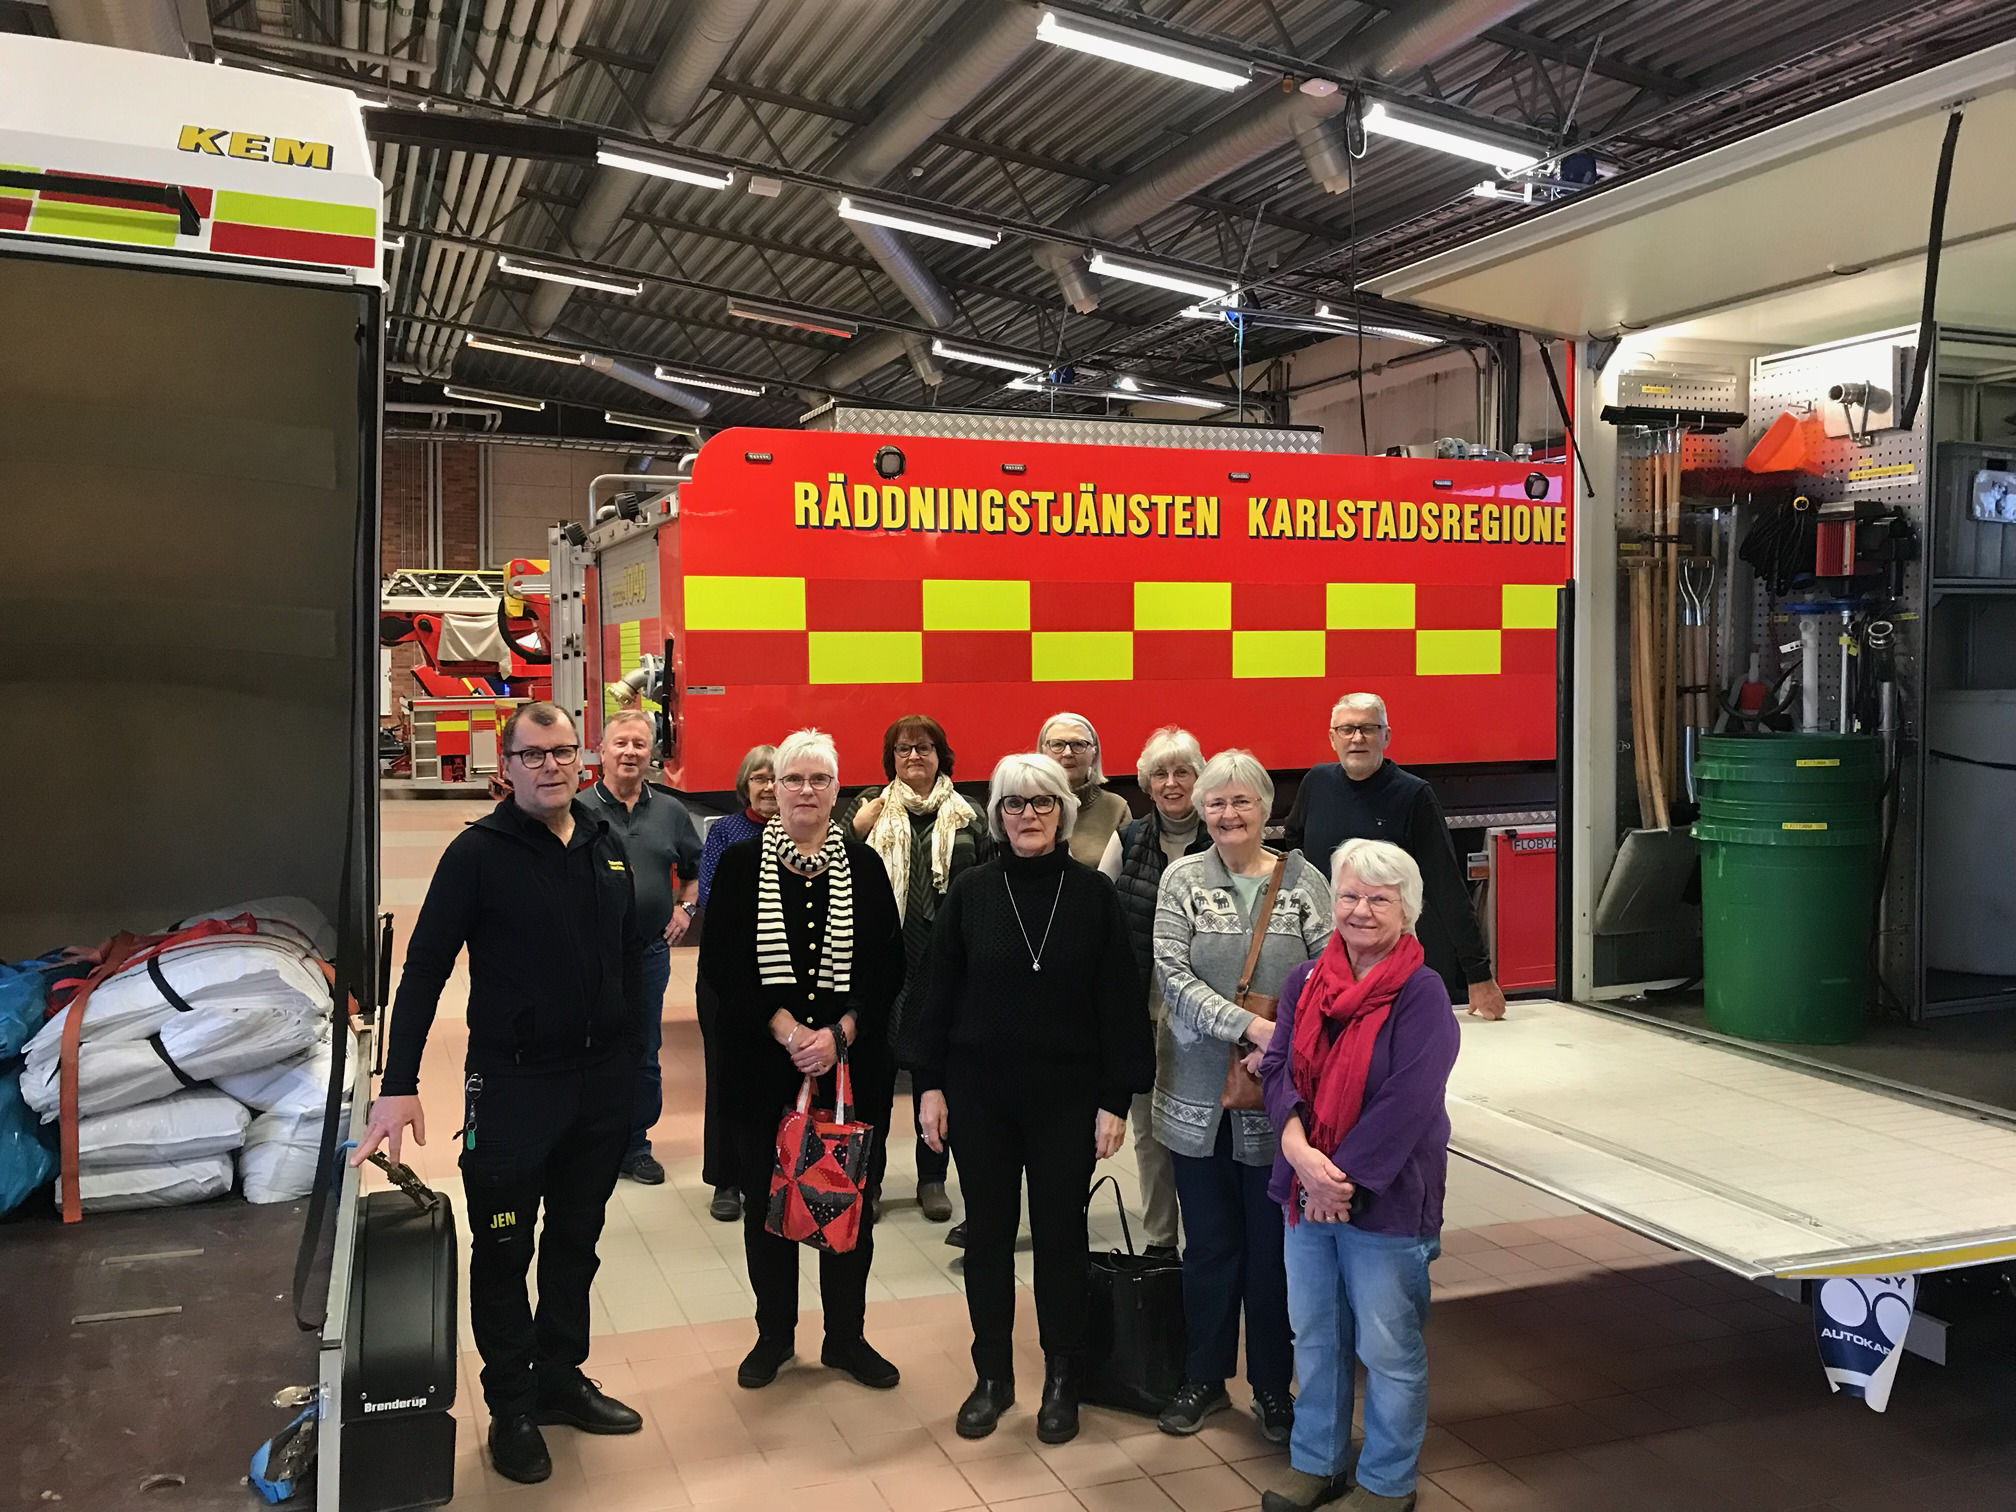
(1573, 1365)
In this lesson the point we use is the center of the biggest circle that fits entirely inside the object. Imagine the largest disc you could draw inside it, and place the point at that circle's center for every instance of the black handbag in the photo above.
(1136, 1344)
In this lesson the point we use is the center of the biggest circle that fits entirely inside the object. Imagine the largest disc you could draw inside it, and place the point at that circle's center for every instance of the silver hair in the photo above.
(1383, 864)
(1236, 768)
(1098, 777)
(631, 716)
(1025, 775)
(815, 746)
(758, 758)
(1170, 746)
(1370, 701)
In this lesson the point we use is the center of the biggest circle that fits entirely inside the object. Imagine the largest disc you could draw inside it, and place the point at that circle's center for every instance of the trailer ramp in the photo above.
(1761, 1167)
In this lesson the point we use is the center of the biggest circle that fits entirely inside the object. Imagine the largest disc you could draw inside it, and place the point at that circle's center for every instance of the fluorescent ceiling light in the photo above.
(1212, 309)
(485, 396)
(549, 274)
(953, 353)
(1493, 190)
(646, 422)
(1347, 326)
(521, 349)
(674, 375)
(785, 315)
(1122, 44)
(1160, 278)
(680, 170)
(1134, 391)
(900, 219)
(1507, 156)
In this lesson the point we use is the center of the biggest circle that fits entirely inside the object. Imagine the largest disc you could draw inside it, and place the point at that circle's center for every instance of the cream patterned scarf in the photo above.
(890, 838)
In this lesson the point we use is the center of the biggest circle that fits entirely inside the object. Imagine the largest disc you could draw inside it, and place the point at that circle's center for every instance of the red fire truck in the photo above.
(839, 578)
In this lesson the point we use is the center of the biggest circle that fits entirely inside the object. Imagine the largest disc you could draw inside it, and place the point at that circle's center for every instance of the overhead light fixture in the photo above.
(954, 353)
(665, 166)
(485, 396)
(547, 273)
(1133, 390)
(675, 375)
(899, 218)
(1506, 155)
(1155, 277)
(1212, 309)
(1491, 189)
(785, 315)
(1346, 326)
(646, 422)
(521, 349)
(394, 244)
(1121, 44)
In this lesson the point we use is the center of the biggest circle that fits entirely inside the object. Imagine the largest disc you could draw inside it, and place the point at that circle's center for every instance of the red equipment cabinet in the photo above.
(1521, 905)
(840, 579)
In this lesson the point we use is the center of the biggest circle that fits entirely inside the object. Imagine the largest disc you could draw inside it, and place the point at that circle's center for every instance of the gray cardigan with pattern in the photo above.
(1201, 935)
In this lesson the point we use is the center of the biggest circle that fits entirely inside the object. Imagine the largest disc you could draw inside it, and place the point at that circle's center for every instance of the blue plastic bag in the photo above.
(24, 999)
(27, 1153)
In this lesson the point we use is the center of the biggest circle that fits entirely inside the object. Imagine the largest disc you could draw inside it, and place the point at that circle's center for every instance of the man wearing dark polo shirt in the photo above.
(664, 847)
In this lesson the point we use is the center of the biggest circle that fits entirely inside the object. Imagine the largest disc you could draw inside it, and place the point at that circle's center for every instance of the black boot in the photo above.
(983, 1407)
(1057, 1418)
(859, 1359)
(518, 1450)
(760, 1366)
(580, 1403)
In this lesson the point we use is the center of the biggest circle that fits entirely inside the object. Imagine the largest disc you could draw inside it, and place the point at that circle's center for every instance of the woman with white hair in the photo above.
(1355, 1079)
(1069, 740)
(1230, 923)
(804, 954)
(1135, 859)
(1030, 1044)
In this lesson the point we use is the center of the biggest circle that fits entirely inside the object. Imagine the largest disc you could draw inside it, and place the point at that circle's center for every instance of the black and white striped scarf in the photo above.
(773, 945)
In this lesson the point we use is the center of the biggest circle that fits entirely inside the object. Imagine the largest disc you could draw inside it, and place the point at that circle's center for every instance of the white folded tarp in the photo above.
(289, 918)
(181, 1127)
(169, 1185)
(299, 1084)
(281, 1151)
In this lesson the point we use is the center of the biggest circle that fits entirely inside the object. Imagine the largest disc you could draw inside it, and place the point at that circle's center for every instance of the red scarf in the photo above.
(1329, 1071)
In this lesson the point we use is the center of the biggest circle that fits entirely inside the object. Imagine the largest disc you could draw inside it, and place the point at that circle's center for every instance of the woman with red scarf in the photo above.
(1354, 1080)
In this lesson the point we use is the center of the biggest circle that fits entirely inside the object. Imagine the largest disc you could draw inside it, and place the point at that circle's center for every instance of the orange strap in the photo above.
(113, 957)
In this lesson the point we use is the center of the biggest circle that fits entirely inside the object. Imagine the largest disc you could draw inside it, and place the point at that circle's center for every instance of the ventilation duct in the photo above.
(706, 33)
(646, 382)
(1398, 43)
(153, 26)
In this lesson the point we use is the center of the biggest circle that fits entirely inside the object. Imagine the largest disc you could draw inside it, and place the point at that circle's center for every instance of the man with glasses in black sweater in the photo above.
(540, 892)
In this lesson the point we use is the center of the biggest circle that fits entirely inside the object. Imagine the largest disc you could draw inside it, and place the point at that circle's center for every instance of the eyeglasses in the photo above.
(799, 782)
(1347, 902)
(1042, 803)
(1240, 805)
(1348, 730)
(761, 779)
(926, 749)
(536, 757)
(1070, 747)
(1171, 774)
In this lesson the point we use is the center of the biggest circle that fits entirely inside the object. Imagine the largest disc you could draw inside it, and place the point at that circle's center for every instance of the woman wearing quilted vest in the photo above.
(1135, 859)
(926, 835)
(1230, 924)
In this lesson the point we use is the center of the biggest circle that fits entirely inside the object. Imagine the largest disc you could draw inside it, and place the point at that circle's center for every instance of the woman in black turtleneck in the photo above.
(1030, 1043)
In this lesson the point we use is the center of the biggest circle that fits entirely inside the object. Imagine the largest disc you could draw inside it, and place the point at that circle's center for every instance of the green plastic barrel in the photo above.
(1790, 839)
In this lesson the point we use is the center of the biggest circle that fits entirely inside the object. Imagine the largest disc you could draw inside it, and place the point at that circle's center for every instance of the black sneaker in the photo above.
(858, 1358)
(1194, 1401)
(726, 1206)
(956, 1236)
(1275, 1412)
(518, 1449)
(643, 1169)
(759, 1367)
(581, 1403)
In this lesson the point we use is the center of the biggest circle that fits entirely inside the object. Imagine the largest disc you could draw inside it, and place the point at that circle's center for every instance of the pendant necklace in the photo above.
(1035, 951)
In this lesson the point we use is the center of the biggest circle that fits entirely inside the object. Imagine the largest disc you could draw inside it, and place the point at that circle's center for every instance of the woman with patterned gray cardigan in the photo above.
(1205, 916)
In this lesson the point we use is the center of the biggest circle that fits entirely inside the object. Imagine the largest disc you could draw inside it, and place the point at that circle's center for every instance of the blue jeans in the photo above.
(1358, 1296)
(650, 1079)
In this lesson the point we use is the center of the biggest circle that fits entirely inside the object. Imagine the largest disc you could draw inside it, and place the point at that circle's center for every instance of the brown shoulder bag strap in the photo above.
(1261, 920)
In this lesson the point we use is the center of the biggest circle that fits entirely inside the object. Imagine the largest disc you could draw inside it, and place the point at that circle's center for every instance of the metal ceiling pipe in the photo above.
(1398, 43)
(864, 355)
(706, 32)
(153, 26)
(923, 361)
(958, 66)
(646, 382)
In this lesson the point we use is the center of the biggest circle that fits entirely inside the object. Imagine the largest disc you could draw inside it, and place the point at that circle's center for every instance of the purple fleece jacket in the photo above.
(1397, 1154)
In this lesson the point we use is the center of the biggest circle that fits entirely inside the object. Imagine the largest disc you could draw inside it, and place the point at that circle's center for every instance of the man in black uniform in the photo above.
(539, 890)
(1367, 797)
(661, 838)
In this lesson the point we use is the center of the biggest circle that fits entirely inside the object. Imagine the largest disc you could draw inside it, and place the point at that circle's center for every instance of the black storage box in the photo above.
(399, 1357)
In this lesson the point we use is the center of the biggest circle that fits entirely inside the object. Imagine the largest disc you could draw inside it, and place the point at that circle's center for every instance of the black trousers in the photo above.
(1233, 1257)
(1007, 1125)
(773, 1260)
(720, 1160)
(550, 1140)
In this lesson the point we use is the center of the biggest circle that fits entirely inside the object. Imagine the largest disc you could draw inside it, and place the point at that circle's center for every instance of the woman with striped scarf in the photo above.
(803, 951)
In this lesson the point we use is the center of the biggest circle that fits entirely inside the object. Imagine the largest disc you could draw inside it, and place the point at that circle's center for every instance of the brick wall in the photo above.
(461, 503)
(403, 504)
